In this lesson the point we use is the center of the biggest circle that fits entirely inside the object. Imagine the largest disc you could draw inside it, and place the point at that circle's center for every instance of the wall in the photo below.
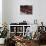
(4, 11)
(0, 13)
(42, 11)
(12, 14)
(28, 18)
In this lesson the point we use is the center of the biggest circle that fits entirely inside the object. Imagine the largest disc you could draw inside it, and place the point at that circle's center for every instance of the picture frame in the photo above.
(26, 9)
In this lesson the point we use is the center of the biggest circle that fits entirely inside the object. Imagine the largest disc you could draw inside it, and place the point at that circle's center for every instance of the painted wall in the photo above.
(0, 13)
(15, 13)
(4, 11)
(42, 11)
(12, 11)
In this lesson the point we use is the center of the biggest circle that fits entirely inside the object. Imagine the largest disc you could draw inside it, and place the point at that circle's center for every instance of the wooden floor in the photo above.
(32, 45)
(1, 45)
(42, 45)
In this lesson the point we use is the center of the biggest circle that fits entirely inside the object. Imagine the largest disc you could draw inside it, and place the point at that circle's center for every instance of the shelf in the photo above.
(18, 28)
(19, 25)
(12, 32)
(16, 32)
(19, 32)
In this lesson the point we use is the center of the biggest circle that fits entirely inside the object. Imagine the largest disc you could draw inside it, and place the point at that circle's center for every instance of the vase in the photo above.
(2, 40)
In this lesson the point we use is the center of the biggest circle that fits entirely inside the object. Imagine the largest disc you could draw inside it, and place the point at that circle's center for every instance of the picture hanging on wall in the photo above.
(26, 9)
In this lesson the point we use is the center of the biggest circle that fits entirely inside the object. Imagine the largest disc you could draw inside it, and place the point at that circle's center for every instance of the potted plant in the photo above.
(3, 34)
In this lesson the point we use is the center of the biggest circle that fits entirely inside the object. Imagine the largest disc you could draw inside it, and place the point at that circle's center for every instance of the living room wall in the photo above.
(0, 13)
(12, 14)
(16, 11)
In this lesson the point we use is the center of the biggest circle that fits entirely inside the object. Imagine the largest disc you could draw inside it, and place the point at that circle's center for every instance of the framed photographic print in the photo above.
(26, 9)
